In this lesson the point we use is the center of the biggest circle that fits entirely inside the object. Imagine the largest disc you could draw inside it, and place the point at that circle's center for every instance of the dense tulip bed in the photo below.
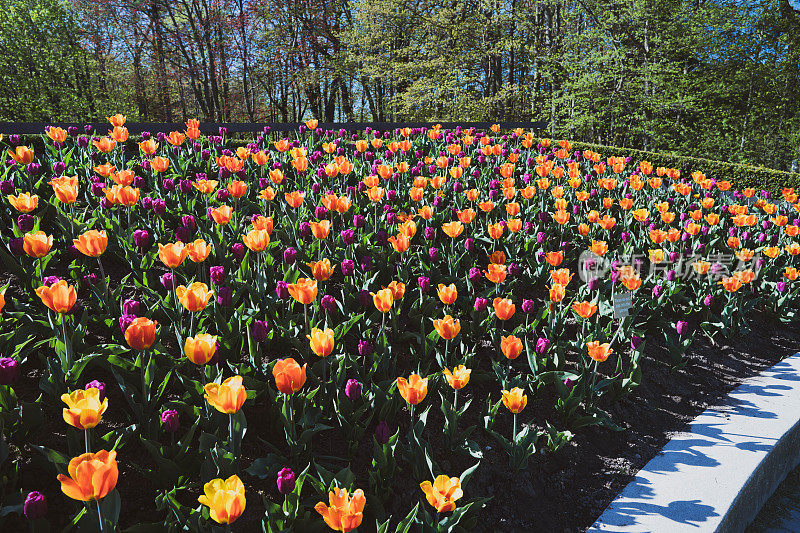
(342, 288)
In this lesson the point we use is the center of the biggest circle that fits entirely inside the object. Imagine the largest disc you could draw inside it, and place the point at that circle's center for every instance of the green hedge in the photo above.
(741, 176)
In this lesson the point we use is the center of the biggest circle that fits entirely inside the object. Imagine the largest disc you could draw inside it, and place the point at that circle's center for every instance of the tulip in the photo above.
(448, 327)
(227, 397)
(345, 511)
(286, 480)
(260, 330)
(257, 240)
(289, 376)
(511, 346)
(24, 203)
(221, 215)
(38, 244)
(198, 250)
(442, 493)
(141, 333)
(9, 370)
(91, 476)
(458, 378)
(92, 243)
(584, 309)
(514, 400)
(447, 293)
(59, 297)
(194, 298)
(480, 304)
(383, 300)
(35, 506)
(414, 389)
(352, 389)
(201, 348)
(304, 291)
(321, 270)
(382, 432)
(680, 327)
(170, 420)
(3, 298)
(172, 255)
(224, 498)
(321, 341)
(84, 408)
(504, 308)
(599, 352)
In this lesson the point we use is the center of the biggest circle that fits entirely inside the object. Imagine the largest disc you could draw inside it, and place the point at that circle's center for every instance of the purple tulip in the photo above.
(657, 290)
(636, 341)
(35, 506)
(708, 301)
(286, 481)
(364, 298)
(433, 253)
(328, 303)
(217, 274)
(99, 385)
(364, 348)
(424, 283)
(25, 222)
(290, 255)
(9, 370)
(348, 236)
(141, 238)
(382, 433)
(680, 327)
(359, 221)
(542, 344)
(7, 187)
(513, 269)
(474, 274)
(469, 244)
(238, 250)
(780, 286)
(125, 321)
(49, 281)
(225, 296)
(282, 289)
(366, 263)
(260, 330)
(528, 306)
(481, 304)
(170, 420)
(348, 267)
(353, 389)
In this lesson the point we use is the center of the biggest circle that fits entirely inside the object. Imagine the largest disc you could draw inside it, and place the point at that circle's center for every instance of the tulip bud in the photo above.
(328, 303)
(238, 250)
(282, 290)
(366, 263)
(141, 238)
(424, 283)
(125, 321)
(348, 267)
(657, 290)
(286, 480)
(680, 327)
(569, 384)
(382, 433)
(513, 269)
(542, 344)
(708, 301)
(99, 385)
(364, 347)
(780, 286)
(469, 244)
(225, 296)
(9, 370)
(304, 229)
(592, 283)
(540, 237)
(364, 298)
(25, 222)
(358, 220)
(49, 281)
(353, 389)
(260, 330)
(170, 420)
(217, 274)
(480, 304)
(636, 341)
(35, 506)
(168, 281)
(7, 187)
(348, 236)
(474, 274)
(433, 253)
(528, 306)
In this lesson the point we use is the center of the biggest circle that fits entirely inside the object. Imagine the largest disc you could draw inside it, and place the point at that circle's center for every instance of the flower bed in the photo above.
(338, 331)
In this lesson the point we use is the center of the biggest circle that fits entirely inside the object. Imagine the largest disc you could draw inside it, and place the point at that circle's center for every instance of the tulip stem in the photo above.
(230, 429)
(191, 324)
(67, 356)
(86, 438)
(99, 516)
(514, 435)
(455, 399)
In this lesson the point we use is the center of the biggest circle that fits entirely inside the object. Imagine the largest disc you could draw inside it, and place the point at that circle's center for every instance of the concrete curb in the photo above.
(717, 475)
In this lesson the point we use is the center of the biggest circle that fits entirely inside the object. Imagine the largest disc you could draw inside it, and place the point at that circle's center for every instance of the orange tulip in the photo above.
(466, 216)
(557, 292)
(453, 229)
(3, 299)
(84, 409)
(117, 120)
(91, 476)
(791, 273)
(320, 230)
(399, 243)
(345, 512)
(237, 188)
(172, 255)
(731, 284)
(38, 244)
(398, 290)
(175, 138)
(321, 270)
(495, 231)
(65, 188)
(105, 144)
(227, 397)
(58, 135)
(256, 239)
(498, 258)
(458, 378)
(383, 300)
(124, 195)
(447, 327)
(60, 297)
(414, 389)
(442, 493)
(503, 308)
(263, 223)
(303, 291)
(561, 276)
(92, 243)
(514, 400)
(205, 186)
(22, 155)
(496, 273)
(123, 177)
(159, 164)
(511, 346)
(599, 352)
(224, 498)
(200, 348)
(295, 199)
(554, 258)
(195, 297)
(222, 214)
(141, 333)
(119, 134)
(289, 376)
(447, 293)
(149, 146)
(25, 202)
(198, 250)
(584, 309)
(321, 341)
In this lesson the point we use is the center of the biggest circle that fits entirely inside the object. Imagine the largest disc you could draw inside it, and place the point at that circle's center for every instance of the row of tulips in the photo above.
(327, 281)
